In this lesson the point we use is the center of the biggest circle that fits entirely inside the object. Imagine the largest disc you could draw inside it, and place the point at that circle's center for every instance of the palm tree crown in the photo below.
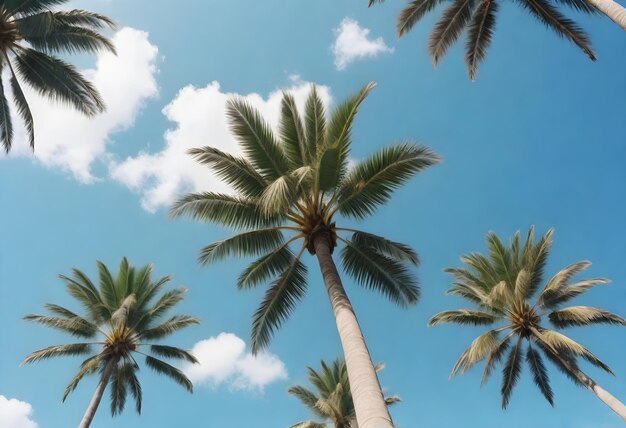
(502, 285)
(332, 399)
(122, 319)
(297, 184)
(30, 35)
(478, 17)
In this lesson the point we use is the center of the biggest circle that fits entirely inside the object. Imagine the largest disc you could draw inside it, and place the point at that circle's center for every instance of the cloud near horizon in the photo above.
(15, 413)
(199, 117)
(352, 42)
(223, 360)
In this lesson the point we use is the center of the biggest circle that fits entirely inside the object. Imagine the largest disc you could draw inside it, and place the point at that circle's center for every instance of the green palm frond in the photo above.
(257, 139)
(480, 348)
(471, 293)
(511, 372)
(58, 351)
(172, 352)
(564, 27)
(76, 326)
(89, 366)
(292, 133)
(553, 298)
(562, 343)
(173, 324)
(6, 123)
(23, 108)
(84, 18)
(463, 317)
(579, 5)
(315, 123)
(248, 243)
(412, 13)
(371, 183)
(449, 27)
(58, 80)
(494, 357)
(278, 303)
(540, 374)
(235, 171)
(118, 391)
(395, 250)
(307, 397)
(582, 316)
(480, 32)
(278, 196)
(135, 389)
(172, 372)
(31, 6)
(381, 273)
(266, 267)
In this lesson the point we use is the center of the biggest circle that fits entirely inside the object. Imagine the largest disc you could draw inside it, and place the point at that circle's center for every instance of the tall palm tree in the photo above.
(30, 36)
(502, 285)
(332, 400)
(298, 183)
(122, 319)
(478, 17)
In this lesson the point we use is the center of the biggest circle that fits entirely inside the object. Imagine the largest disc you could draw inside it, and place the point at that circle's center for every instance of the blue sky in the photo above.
(538, 139)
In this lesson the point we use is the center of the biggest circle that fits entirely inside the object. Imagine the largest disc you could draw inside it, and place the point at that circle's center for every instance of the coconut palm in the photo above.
(478, 17)
(298, 183)
(123, 317)
(502, 285)
(30, 36)
(331, 401)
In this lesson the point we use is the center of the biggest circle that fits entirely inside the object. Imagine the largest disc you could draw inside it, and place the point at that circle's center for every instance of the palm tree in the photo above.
(298, 184)
(501, 286)
(30, 35)
(122, 318)
(332, 400)
(478, 17)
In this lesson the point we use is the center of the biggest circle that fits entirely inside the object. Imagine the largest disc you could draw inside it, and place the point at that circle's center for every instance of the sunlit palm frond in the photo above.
(395, 250)
(562, 343)
(480, 348)
(171, 325)
(463, 317)
(315, 123)
(266, 267)
(582, 316)
(58, 351)
(249, 243)
(292, 133)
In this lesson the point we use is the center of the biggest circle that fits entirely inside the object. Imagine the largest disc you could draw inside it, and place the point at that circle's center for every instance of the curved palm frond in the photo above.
(170, 371)
(481, 347)
(395, 250)
(540, 374)
(292, 133)
(449, 27)
(412, 13)
(511, 372)
(463, 317)
(249, 243)
(480, 32)
(582, 316)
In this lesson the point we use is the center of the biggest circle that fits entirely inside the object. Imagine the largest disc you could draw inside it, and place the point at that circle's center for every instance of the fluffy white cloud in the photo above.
(200, 118)
(15, 414)
(223, 359)
(64, 138)
(352, 42)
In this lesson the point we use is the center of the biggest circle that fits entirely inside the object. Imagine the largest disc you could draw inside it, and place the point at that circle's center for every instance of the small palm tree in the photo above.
(121, 318)
(30, 35)
(501, 285)
(332, 400)
(478, 17)
(298, 184)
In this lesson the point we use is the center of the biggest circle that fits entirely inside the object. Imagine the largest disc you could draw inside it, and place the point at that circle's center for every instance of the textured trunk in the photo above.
(613, 10)
(606, 397)
(97, 396)
(369, 403)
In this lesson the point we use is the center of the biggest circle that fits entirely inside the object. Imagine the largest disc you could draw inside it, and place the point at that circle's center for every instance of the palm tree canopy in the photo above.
(296, 182)
(478, 18)
(331, 399)
(501, 285)
(123, 318)
(31, 34)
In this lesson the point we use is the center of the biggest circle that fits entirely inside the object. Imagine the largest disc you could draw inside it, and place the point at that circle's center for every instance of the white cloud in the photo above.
(223, 360)
(64, 138)
(352, 42)
(15, 414)
(200, 119)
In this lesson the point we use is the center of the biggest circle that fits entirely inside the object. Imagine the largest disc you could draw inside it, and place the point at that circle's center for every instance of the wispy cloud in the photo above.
(200, 119)
(352, 42)
(15, 413)
(223, 360)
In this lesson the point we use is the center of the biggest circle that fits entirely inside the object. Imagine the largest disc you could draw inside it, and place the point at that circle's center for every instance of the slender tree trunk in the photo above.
(606, 397)
(97, 396)
(369, 403)
(615, 11)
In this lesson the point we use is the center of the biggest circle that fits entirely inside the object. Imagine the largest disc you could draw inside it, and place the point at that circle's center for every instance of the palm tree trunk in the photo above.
(369, 403)
(97, 396)
(606, 397)
(615, 11)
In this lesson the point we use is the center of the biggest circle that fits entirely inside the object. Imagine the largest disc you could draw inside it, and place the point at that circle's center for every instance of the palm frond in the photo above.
(511, 372)
(58, 351)
(564, 27)
(535, 256)
(135, 389)
(540, 374)
(480, 32)
(412, 13)
(278, 196)
(315, 123)
(256, 138)
(6, 123)
(494, 357)
(371, 183)
(118, 391)
(309, 424)
(564, 361)
(471, 293)
(25, 7)
(449, 27)
(463, 317)
(395, 250)
(173, 352)
(522, 285)
(582, 316)
(564, 344)
(480, 348)
(278, 303)
(235, 171)
(76, 325)
(89, 366)
(231, 211)
(550, 299)
(501, 260)
(173, 324)
(378, 272)
(172, 372)
(248, 243)
(292, 133)
(266, 267)
(307, 397)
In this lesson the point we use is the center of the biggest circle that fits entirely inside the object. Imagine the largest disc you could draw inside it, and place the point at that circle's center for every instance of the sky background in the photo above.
(538, 139)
